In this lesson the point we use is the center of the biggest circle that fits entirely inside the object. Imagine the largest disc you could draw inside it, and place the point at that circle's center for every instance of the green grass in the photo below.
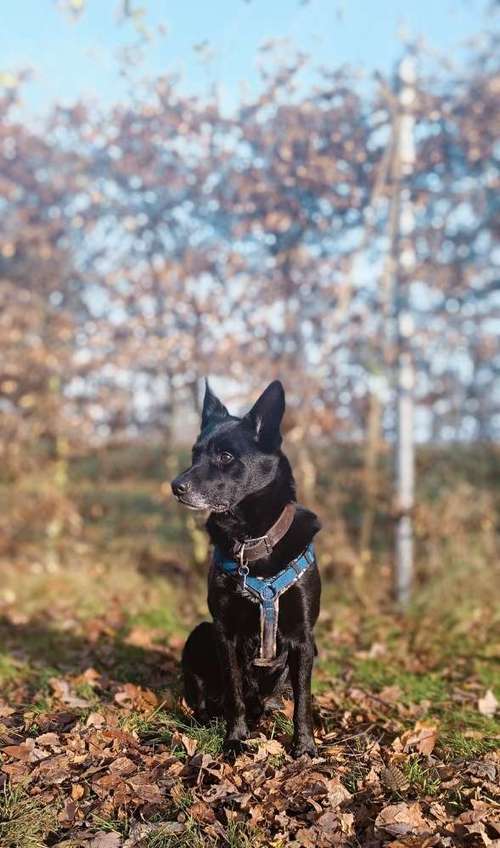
(25, 822)
(162, 618)
(351, 778)
(39, 707)
(14, 671)
(326, 672)
(161, 726)
(184, 798)
(488, 672)
(423, 779)
(209, 737)
(465, 733)
(10, 670)
(376, 674)
(238, 834)
(241, 835)
(459, 745)
(86, 691)
(192, 837)
(282, 724)
(109, 825)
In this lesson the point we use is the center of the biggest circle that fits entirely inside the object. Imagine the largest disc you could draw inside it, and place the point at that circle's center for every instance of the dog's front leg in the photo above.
(301, 657)
(234, 705)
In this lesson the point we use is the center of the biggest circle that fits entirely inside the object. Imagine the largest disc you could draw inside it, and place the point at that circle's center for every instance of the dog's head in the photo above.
(233, 457)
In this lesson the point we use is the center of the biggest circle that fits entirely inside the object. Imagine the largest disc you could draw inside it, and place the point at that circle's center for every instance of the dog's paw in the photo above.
(232, 747)
(202, 717)
(303, 747)
(254, 711)
(235, 738)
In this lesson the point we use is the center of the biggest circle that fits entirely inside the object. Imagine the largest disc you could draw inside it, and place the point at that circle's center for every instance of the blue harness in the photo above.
(267, 591)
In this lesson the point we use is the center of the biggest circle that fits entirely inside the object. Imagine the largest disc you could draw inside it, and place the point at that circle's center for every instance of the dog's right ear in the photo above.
(265, 416)
(213, 409)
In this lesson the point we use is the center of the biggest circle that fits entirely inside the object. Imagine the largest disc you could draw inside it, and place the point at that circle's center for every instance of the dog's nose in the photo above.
(179, 487)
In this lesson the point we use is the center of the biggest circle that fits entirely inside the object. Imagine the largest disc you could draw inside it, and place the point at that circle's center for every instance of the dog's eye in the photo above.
(226, 457)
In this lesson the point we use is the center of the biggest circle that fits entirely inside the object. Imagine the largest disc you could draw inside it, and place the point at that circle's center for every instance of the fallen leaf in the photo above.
(337, 793)
(189, 743)
(422, 738)
(391, 694)
(67, 814)
(106, 783)
(19, 752)
(141, 637)
(271, 746)
(26, 751)
(63, 692)
(139, 834)
(132, 696)
(488, 705)
(417, 842)
(90, 676)
(347, 823)
(96, 720)
(106, 839)
(307, 837)
(202, 812)
(123, 766)
(47, 739)
(149, 792)
(377, 649)
(77, 791)
(401, 819)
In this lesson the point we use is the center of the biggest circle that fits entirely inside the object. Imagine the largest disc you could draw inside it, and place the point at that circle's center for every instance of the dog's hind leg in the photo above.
(254, 704)
(234, 704)
(201, 673)
(195, 695)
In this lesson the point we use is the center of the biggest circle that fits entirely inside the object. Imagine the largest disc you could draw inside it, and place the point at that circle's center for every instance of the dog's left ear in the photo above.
(265, 416)
(213, 409)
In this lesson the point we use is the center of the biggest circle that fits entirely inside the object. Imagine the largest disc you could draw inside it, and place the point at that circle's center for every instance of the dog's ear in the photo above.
(213, 409)
(265, 416)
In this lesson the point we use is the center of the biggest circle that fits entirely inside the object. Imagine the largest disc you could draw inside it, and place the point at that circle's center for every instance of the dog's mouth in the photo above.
(189, 504)
(222, 507)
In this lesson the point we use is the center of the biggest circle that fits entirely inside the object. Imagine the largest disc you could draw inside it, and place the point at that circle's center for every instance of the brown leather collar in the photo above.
(252, 549)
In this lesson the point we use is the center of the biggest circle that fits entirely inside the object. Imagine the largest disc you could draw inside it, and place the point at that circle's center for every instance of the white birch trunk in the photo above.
(405, 449)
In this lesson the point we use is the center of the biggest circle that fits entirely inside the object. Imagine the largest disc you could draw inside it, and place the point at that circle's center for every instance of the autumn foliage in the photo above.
(150, 244)
(143, 247)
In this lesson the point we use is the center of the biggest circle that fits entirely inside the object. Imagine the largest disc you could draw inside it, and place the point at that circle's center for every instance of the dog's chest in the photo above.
(240, 611)
(239, 608)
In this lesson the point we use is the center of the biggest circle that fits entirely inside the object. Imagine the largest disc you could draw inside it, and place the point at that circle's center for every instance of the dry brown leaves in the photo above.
(88, 758)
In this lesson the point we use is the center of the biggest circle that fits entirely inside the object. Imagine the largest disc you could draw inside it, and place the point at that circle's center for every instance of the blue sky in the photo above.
(73, 59)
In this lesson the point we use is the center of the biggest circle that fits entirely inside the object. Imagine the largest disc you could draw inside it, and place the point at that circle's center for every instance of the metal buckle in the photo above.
(243, 569)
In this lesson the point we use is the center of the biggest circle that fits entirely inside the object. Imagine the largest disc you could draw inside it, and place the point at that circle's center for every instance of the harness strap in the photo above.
(267, 592)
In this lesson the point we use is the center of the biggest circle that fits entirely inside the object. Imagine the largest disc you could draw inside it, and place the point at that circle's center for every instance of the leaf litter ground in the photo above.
(98, 750)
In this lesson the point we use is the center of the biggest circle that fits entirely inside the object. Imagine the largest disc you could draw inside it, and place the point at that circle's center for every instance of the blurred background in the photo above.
(246, 191)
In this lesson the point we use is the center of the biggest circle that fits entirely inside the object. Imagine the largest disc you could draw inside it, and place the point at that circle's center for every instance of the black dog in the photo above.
(264, 585)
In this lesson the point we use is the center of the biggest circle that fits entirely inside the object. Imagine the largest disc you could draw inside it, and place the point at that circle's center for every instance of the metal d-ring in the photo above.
(243, 569)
